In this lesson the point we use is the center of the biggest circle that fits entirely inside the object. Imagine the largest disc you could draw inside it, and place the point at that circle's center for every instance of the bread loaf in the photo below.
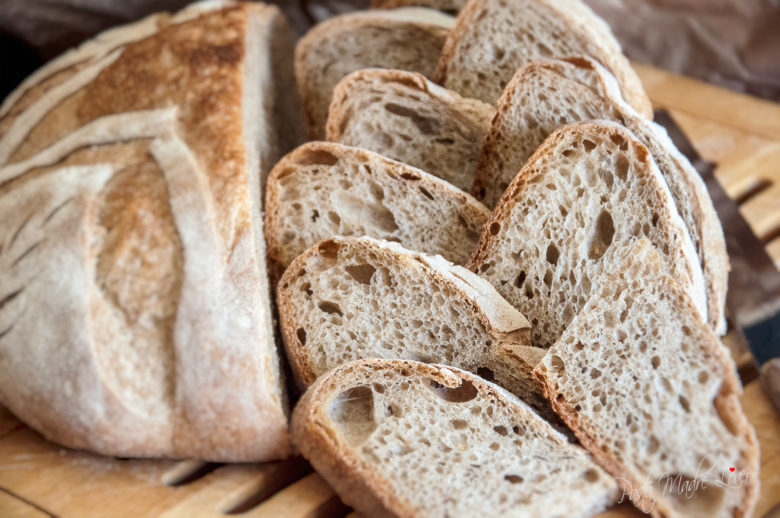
(442, 5)
(493, 38)
(646, 387)
(409, 38)
(403, 439)
(544, 95)
(135, 317)
(322, 189)
(405, 117)
(589, 186)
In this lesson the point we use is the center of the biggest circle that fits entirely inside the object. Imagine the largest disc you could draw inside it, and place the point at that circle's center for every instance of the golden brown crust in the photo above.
(182, 180)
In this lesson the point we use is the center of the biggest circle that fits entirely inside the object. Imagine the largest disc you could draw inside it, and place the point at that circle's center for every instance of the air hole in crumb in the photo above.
(301, 333)
(652, 445)
(459, 424)
(314, 215)
(426, 193)
(621, 166)
(655, 361)
(557, 364)
(362, 273)
(602, 236)
(552, 253)
(685, 404)
(501, 430)
(330, 308)
(334, 218)
(328, 249)
(494, 228)
(353, 412)
(410, 176)
(514, 479)
(591, 475)
(318, 157)
(589, 145)
(465, 392)
(703, 377)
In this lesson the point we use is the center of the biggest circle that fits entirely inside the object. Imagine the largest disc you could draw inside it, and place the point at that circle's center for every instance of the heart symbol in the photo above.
(731, 469)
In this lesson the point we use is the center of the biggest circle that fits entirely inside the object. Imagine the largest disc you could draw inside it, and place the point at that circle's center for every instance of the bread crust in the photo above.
(174, 230)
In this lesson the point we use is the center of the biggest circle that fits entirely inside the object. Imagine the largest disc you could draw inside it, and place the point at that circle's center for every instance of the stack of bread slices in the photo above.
(575, 359)
(500, 287)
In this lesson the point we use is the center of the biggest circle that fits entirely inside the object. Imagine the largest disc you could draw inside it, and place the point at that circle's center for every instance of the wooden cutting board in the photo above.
(740, 134)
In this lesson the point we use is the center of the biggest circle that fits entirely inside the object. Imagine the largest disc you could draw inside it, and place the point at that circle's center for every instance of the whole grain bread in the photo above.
(404, 116)
(493, 38)
(648, 389)
(406, 439)
(135, 317)
(322, 189)
(589, 186)
(408, 38)
(346, 299)
(544, 95)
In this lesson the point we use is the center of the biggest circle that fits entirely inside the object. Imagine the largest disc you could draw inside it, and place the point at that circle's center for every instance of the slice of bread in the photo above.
(409, 38)
(589, 186)
(493, 38)
(405, 439)
(649, 390)
(544, 95)
(348, 298)
(323, 189)
(450, 6)
(404, 116)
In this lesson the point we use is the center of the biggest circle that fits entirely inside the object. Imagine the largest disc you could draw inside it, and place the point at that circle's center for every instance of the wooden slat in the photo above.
(743, 112)
(764, 417)
(78, 484)
(12, 506)
(310, 497)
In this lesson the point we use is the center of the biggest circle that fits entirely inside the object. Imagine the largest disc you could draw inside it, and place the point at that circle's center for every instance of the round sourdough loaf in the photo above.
(134, 302)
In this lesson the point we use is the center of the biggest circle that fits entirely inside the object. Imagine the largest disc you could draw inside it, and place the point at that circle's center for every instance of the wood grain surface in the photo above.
(38, 478)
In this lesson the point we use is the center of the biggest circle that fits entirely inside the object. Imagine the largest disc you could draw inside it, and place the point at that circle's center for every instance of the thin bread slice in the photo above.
(648, 389)
(404, 116)
(450, 6)
(323, 189)
(409, 38)
(368, 428)
(493, 38)
(351, 298)
(544, 95)
(590, 185)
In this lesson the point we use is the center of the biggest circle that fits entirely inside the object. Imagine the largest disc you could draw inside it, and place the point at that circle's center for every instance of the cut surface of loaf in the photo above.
(589, 186)
(544, 95)
(493, 38)
(404, 116)
(130, 241)
(323, 189)
(402, 438)
(647, 388)
(409, 38)
(352, 298)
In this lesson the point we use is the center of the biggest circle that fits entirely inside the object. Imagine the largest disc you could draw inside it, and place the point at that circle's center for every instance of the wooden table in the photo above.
(740, 134)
